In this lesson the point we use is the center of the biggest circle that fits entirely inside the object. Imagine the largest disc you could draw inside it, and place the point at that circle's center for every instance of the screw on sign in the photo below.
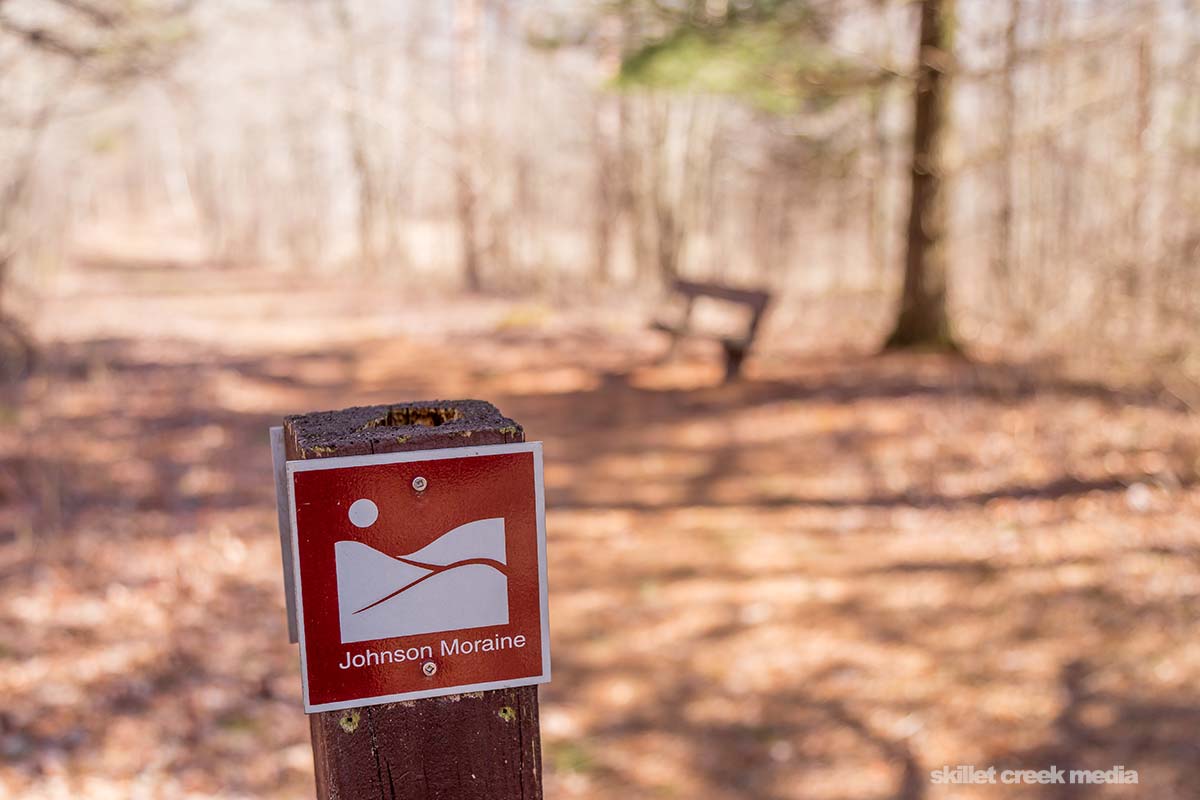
(415, 555)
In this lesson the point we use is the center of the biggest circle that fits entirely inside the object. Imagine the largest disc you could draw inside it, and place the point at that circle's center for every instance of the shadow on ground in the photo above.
(824, 581)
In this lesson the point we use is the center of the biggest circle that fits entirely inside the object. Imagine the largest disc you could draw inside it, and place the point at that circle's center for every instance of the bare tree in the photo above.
(1005, 255)
(605, 118)
(108, 46)
(356, 137)
(466, 122)
(678, 138)
(1144, 249)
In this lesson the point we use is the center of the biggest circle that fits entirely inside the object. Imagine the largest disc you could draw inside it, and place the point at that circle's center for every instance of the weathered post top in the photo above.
(471, 746)
(398, 427)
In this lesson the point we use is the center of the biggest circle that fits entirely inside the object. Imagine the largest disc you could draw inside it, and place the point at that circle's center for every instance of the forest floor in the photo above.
(824, 581)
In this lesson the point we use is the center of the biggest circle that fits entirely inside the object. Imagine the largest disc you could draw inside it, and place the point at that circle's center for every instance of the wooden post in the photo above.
(484, 745)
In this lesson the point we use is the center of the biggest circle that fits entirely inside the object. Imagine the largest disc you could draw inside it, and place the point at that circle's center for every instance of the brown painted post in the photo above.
(484, 745)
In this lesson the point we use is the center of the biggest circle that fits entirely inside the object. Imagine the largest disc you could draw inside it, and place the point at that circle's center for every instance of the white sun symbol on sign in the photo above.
(363, 512)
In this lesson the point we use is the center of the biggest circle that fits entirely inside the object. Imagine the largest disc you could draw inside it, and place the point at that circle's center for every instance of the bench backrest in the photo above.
(755, 300)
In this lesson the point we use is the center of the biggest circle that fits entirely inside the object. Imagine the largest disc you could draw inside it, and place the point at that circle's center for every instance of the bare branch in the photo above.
(46, 41)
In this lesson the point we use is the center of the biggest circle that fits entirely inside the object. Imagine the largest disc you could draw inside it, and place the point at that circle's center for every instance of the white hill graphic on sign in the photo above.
(455, 582)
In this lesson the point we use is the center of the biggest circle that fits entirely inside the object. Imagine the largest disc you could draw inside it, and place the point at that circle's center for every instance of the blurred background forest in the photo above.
(556, 147)
(822, 580)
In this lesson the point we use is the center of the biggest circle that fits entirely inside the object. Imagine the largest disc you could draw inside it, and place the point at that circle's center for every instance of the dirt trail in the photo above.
(823, 582)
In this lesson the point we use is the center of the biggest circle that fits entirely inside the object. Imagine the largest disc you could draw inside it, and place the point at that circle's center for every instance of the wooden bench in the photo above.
(735, 347)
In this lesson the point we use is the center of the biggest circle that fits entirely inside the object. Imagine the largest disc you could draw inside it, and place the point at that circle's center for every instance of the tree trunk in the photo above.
(466, 132)
(1147, 265)
(877, 182)
(1004, 262)
(605, 189)
(923, 321)
(356, 138)
(608, 120)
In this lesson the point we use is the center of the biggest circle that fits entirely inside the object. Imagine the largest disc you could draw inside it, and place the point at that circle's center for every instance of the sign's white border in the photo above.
(343, 462)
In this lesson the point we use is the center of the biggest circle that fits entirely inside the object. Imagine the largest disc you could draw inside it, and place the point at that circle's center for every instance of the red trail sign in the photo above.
(419, 574)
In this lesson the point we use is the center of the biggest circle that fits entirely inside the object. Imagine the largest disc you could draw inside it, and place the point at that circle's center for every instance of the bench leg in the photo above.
(734, 356)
